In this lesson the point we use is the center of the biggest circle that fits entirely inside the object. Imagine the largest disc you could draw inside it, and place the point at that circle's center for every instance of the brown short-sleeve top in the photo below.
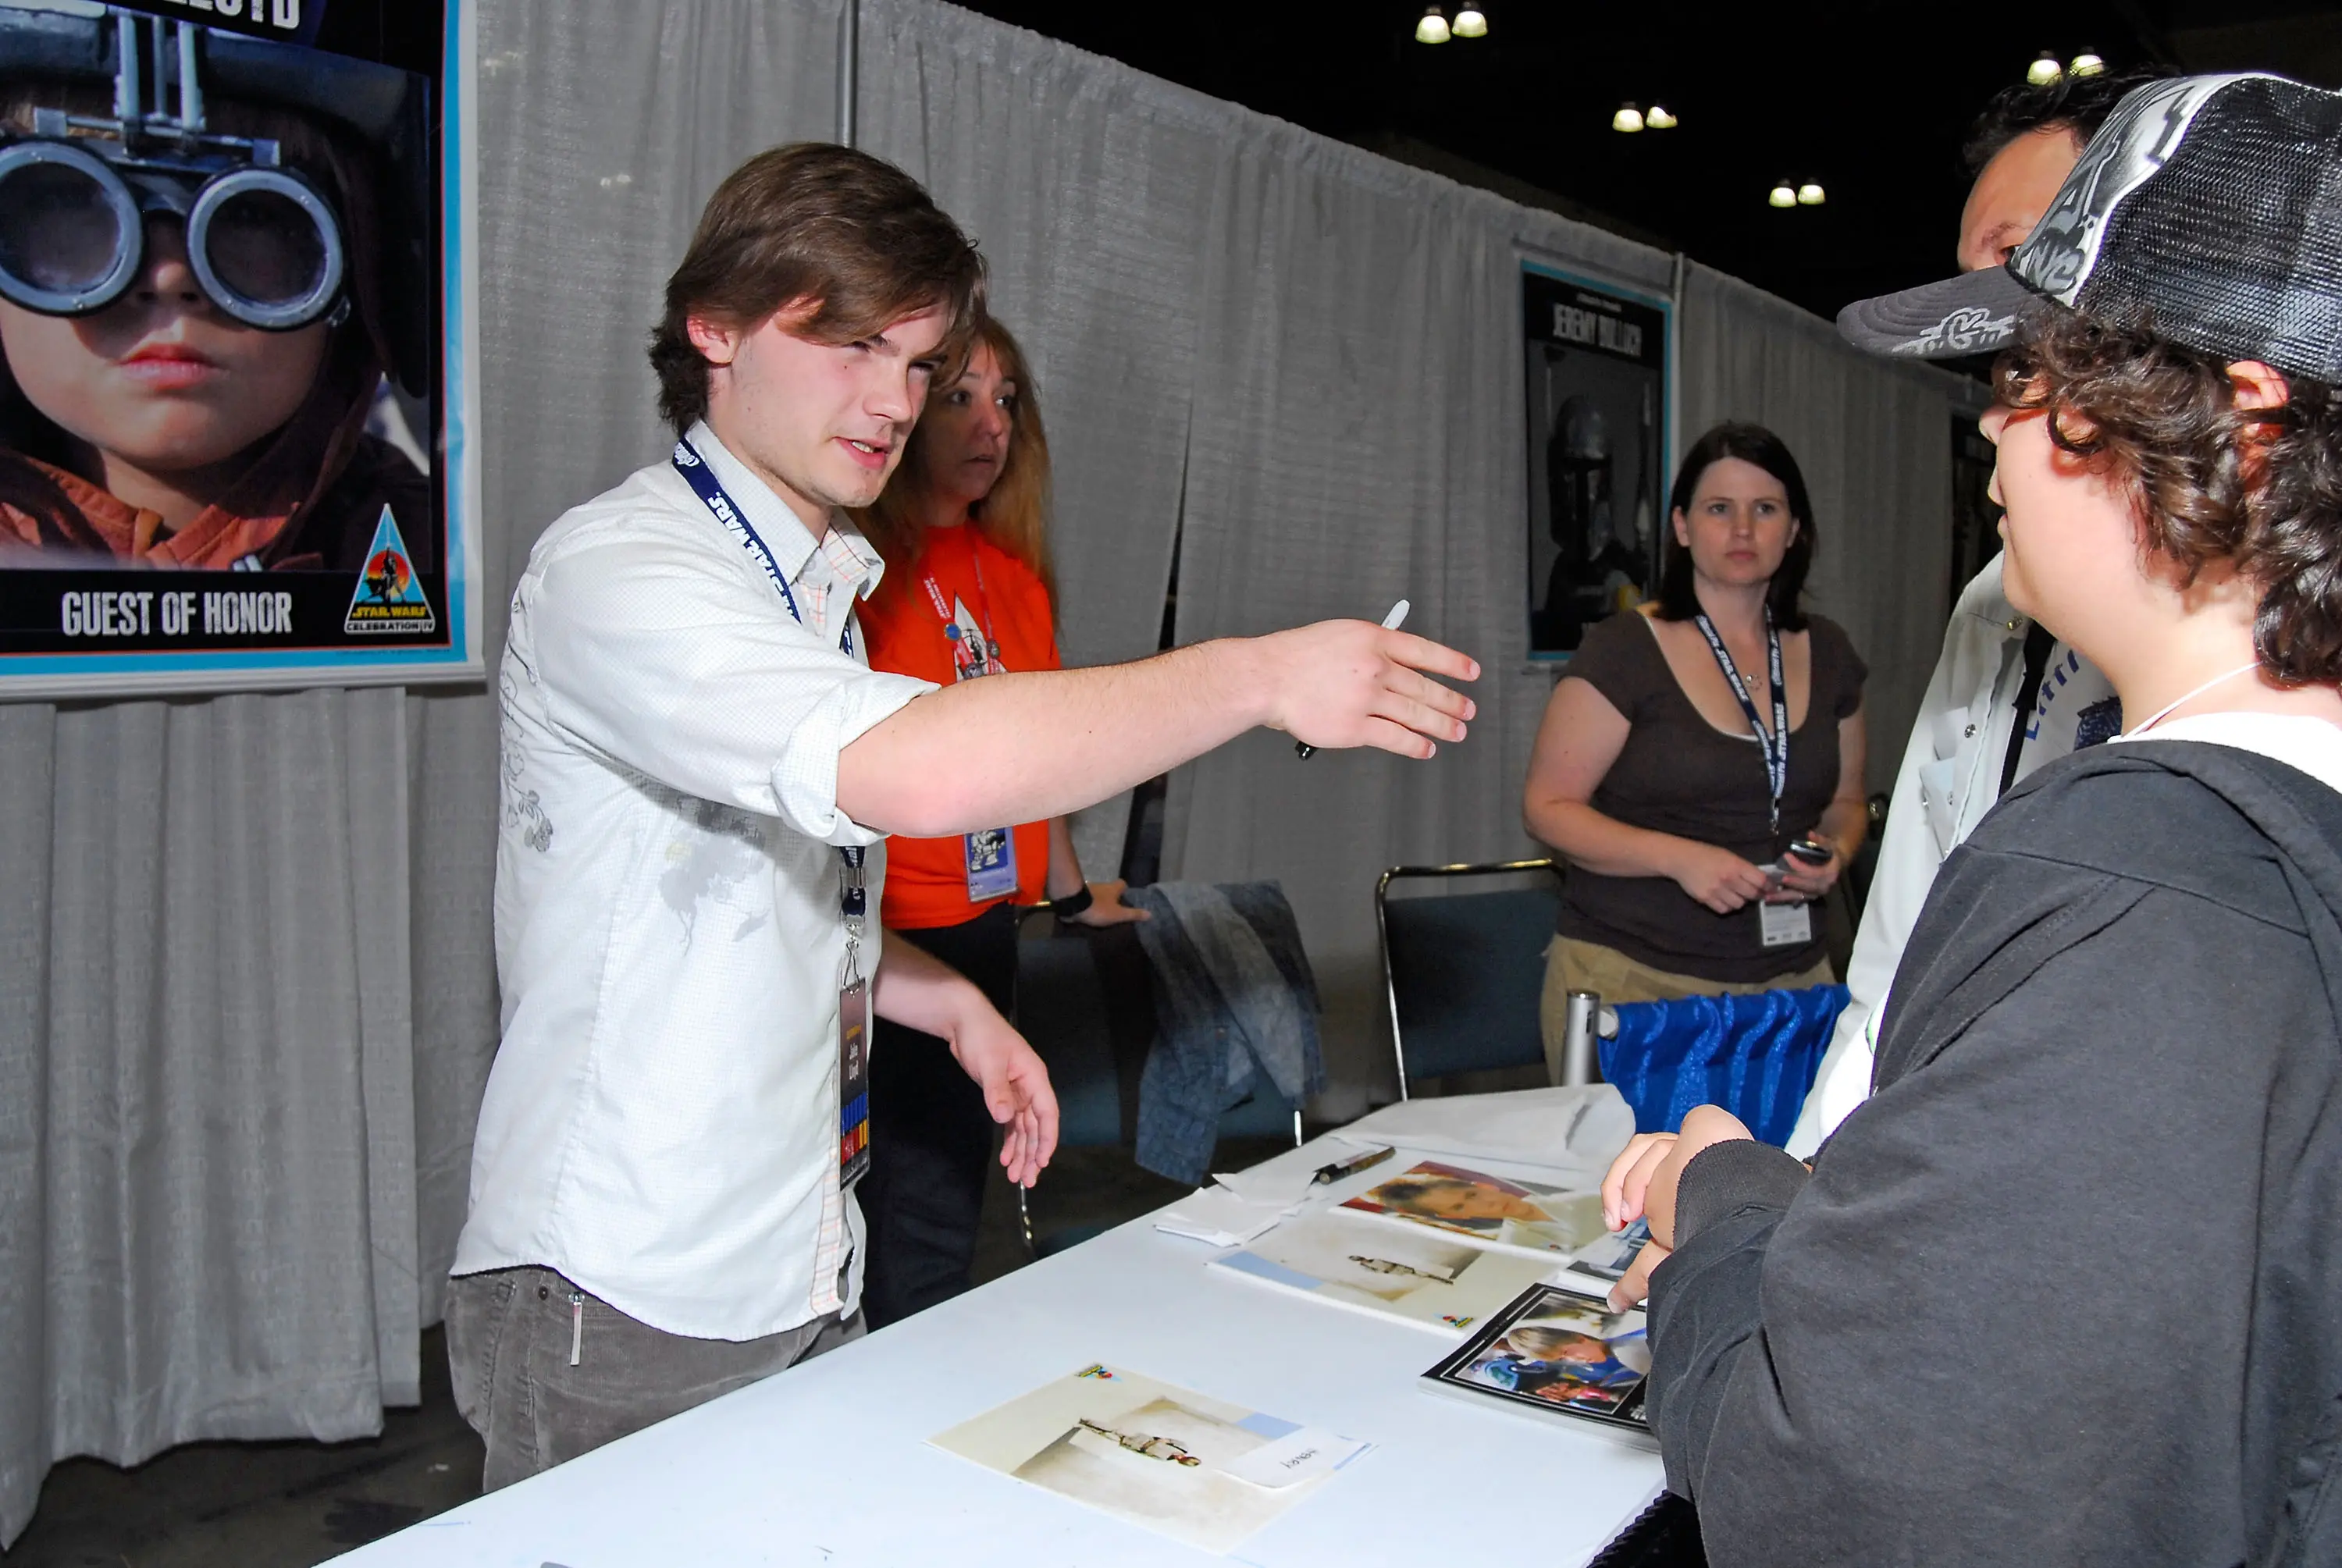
(1680, 774)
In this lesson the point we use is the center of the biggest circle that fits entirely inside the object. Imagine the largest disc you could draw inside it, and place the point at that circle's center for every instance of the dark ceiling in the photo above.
(1871, 100)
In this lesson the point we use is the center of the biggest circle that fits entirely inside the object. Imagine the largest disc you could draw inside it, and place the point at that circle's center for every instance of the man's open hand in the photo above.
(1353, 684)
(1017, 1090)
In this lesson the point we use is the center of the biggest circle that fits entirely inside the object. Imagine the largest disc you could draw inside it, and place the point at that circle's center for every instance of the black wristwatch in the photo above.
(1072, 904)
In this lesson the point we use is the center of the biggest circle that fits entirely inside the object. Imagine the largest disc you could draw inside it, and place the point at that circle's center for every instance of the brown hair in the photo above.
(1014, 516)
(810, 221)
(2258, 488)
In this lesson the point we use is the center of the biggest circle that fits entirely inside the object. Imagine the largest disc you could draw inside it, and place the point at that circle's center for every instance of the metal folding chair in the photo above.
(1462, 971)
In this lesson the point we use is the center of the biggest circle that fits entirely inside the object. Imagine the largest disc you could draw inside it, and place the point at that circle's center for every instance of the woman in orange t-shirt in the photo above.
(968, 592)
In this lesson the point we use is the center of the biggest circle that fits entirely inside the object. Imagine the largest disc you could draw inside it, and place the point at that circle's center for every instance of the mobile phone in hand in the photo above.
(1811, 851)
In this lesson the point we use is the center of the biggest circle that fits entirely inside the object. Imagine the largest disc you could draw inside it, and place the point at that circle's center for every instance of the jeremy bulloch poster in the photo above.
(232, 451)
(1597, 361)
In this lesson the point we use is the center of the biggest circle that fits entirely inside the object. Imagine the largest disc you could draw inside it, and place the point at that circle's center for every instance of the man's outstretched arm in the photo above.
(1023, 747)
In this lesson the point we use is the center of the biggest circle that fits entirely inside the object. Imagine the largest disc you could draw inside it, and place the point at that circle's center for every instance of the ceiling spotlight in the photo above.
(1809, 194)
(2087, 64)
(1470, 21)
(2041, 73)
(1433, 28)
(1784, 194)
(1628, 118)
(1658, 119)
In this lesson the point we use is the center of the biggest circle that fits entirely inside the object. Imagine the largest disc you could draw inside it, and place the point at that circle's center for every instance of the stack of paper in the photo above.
(1221, 1217)
(1244, 1204)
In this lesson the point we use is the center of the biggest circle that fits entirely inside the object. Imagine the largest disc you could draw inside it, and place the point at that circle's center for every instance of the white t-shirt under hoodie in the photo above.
(2310, 744)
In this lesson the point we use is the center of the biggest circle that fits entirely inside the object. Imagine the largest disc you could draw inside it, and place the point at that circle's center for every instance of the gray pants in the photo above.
(510, 1333)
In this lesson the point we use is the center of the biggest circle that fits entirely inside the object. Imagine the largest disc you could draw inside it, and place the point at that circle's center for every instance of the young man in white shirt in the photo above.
(2006, 697)
(698, 773)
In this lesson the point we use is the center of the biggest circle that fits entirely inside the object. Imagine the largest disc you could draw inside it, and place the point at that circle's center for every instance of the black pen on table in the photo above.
(1349, 1167)
(1391, 623)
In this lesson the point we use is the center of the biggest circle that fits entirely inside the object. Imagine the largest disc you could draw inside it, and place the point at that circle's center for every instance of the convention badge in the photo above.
(991, 864)
(853, 1077)
(1785, 925)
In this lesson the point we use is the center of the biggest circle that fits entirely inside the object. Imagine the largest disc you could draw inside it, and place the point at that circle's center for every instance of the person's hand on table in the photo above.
(1017, 1090)
(1717, 877)
(1641, 1186)
(1106, 907)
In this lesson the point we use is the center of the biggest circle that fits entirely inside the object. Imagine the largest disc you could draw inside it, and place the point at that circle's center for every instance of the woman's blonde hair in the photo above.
(1014, 516)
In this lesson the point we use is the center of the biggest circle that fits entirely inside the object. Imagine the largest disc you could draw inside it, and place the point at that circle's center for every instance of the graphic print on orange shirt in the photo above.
(1001, 612)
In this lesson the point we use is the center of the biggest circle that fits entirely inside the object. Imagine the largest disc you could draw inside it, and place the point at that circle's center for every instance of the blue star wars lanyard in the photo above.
(1776, 744)
(853, 898)
(710, 491)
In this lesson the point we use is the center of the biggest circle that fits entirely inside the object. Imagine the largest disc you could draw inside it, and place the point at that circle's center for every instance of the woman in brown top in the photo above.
(1665, 792)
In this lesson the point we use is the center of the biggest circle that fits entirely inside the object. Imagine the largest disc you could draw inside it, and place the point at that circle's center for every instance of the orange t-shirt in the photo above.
(980, 585)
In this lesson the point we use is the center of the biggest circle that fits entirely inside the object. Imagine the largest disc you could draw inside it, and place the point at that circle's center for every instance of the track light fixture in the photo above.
(1471, 22)
(2086, 63)
(1810, 194)
(1784, 194)
(2045, 71)
(1628, 119)
(1658, 119)
(1433, 28)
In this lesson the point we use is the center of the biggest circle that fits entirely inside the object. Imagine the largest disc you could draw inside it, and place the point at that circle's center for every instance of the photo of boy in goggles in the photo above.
(200, 237)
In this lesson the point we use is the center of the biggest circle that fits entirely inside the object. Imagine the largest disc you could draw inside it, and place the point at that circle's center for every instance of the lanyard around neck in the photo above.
(853, 896)
(711, 495)
(1776, 744)
(2169, 708)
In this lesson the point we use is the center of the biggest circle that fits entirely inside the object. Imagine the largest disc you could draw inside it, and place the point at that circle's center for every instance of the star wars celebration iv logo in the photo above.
(388, 598)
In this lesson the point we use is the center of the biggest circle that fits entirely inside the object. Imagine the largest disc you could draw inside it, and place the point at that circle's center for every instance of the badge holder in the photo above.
(853, 1029)
(1785, 925)
(991, 864)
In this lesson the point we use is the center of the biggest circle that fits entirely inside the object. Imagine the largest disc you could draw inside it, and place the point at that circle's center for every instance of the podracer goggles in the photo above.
(76, 196)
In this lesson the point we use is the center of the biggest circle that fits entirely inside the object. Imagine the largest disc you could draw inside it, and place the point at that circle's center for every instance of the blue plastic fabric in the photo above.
(1756, 1056)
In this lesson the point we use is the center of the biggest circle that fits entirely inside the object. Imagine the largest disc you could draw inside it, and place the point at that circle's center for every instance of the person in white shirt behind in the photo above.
(698, 769)
(1968, 744)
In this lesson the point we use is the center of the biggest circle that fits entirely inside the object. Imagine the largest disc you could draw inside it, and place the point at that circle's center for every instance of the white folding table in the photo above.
(828, 1462)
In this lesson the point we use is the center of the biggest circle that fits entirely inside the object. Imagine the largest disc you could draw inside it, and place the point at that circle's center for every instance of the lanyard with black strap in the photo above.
(853, 895)
(1778, 925)
(1776, 743)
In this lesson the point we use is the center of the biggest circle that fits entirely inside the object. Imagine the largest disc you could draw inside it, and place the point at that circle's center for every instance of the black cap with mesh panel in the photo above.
(2208, 211)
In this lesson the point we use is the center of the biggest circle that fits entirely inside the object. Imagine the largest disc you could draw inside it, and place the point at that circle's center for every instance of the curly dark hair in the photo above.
(2076, 104)
(2259, 489)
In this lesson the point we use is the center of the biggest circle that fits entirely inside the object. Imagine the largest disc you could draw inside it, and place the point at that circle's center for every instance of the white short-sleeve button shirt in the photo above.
(661, 1120)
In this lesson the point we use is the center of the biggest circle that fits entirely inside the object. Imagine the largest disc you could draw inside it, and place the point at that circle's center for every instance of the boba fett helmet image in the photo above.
(118, 118)
(1578, 458)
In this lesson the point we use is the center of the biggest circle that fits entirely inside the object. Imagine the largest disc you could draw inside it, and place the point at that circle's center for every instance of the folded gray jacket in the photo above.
(1235, 1011)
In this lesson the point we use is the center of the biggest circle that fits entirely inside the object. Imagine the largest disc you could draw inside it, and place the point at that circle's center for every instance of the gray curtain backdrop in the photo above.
(251, 998)
(1090, 188)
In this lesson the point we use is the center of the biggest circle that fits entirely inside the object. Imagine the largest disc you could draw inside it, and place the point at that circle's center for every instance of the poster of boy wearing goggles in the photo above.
(229, 289)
